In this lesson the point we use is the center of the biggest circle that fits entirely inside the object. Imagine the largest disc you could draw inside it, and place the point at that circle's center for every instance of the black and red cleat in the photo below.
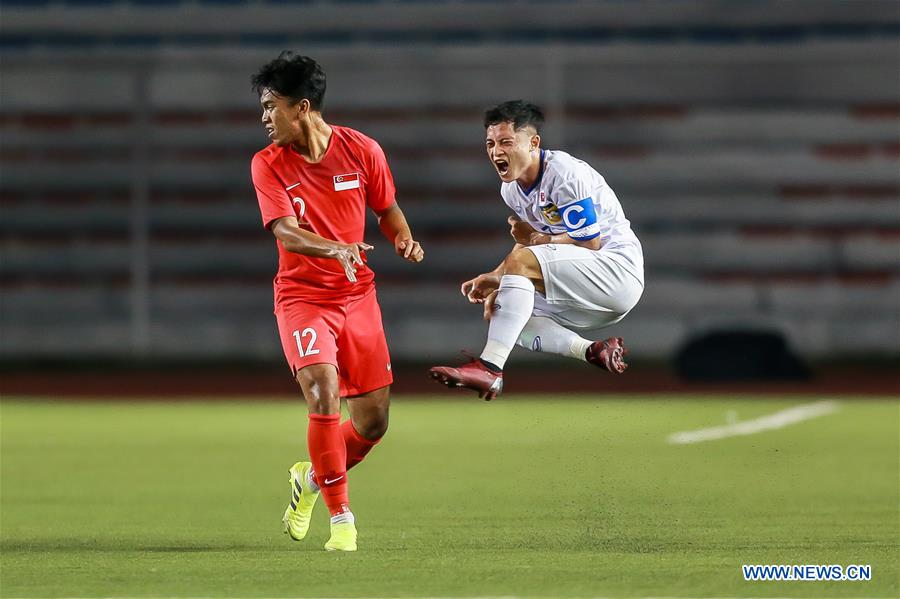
(471, 375)
(609, 354)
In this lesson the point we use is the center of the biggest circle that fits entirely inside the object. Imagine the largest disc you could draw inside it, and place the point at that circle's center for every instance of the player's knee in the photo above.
(515, 263)
(323, 403)
(522, 262)
(330, 404)
(375, 426)
(321, 393)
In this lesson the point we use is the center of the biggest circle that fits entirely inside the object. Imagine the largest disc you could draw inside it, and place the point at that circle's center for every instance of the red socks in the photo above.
(335, 448)
(357, 445)
(328, 453)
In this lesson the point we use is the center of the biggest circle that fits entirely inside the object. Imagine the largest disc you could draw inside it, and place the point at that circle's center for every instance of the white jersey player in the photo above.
(576, 263)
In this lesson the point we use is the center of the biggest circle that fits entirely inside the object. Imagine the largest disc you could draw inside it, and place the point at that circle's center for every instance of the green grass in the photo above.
(523, 496)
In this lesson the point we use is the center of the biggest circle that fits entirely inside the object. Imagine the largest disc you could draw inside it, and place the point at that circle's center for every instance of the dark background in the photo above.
(754, 146)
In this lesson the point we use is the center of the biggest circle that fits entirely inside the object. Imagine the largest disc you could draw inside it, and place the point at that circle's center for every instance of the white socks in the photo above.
(512, 309)
(512, 324)
(542, 334)
(343, 517)
(311, 482)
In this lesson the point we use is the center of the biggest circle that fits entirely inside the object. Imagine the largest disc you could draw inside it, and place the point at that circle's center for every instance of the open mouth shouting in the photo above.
(502, 167)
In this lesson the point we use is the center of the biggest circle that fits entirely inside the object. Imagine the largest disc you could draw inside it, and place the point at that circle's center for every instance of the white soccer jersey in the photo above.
(569, 196)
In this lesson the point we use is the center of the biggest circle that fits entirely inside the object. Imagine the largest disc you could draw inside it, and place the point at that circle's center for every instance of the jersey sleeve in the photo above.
(576, 207)
(380, 190)
(274, 202)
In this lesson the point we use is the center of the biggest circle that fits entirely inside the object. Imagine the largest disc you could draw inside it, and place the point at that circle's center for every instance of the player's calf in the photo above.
(360, 444)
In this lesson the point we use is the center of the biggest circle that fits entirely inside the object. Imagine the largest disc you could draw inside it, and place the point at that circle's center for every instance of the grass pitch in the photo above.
(525, 496)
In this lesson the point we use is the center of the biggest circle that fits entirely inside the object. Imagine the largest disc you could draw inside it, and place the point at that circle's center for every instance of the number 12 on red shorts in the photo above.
(349, 335)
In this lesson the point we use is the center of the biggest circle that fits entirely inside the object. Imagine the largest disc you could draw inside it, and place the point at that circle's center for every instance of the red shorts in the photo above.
(349, 335)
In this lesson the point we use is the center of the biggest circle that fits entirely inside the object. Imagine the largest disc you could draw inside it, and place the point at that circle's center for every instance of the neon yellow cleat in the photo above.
(303, 500)
(343, 537)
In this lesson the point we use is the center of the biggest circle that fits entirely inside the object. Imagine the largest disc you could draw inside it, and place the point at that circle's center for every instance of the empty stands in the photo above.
(756, 154)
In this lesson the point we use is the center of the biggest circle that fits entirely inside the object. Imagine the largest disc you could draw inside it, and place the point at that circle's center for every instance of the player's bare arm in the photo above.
(394, 227)
(299, 241)
(525, 234)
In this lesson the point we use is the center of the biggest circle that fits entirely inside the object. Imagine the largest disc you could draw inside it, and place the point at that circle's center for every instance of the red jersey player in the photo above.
(313, 184)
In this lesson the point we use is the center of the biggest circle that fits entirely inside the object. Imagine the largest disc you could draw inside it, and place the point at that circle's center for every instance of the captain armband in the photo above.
(580, 219)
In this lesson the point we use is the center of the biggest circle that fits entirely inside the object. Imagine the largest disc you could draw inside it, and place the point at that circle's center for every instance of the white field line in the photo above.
(769, 422)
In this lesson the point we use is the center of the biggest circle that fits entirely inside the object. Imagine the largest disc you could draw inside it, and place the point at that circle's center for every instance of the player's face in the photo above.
(511, 151)
(281, 118)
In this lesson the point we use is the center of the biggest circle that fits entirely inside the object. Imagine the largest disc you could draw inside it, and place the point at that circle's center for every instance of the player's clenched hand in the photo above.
(409, 249)
(348, 255)
(522, 232)
(478, 289)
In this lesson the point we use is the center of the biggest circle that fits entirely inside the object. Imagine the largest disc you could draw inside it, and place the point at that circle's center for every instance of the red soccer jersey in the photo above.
(328, 198)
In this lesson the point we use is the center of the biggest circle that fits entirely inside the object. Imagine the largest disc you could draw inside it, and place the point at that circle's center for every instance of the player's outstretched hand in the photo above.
(478, 289)
(348, 255)
(409, 249)
(522, 232)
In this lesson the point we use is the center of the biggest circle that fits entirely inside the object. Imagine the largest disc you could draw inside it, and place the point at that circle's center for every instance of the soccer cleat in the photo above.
(343, 537)
(303, 499)
(609, 354)
(472, 375)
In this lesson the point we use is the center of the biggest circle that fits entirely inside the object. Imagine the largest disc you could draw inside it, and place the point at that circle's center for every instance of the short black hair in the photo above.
(294, 77)
(518, 112)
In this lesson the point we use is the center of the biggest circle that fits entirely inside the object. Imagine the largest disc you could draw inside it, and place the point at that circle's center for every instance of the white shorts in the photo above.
(585, 289)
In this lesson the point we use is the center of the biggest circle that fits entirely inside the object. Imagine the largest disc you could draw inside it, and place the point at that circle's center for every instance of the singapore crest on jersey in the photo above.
(347, 181)
(549, 210)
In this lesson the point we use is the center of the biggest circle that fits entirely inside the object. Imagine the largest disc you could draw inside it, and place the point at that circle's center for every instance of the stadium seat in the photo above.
(757, 163)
